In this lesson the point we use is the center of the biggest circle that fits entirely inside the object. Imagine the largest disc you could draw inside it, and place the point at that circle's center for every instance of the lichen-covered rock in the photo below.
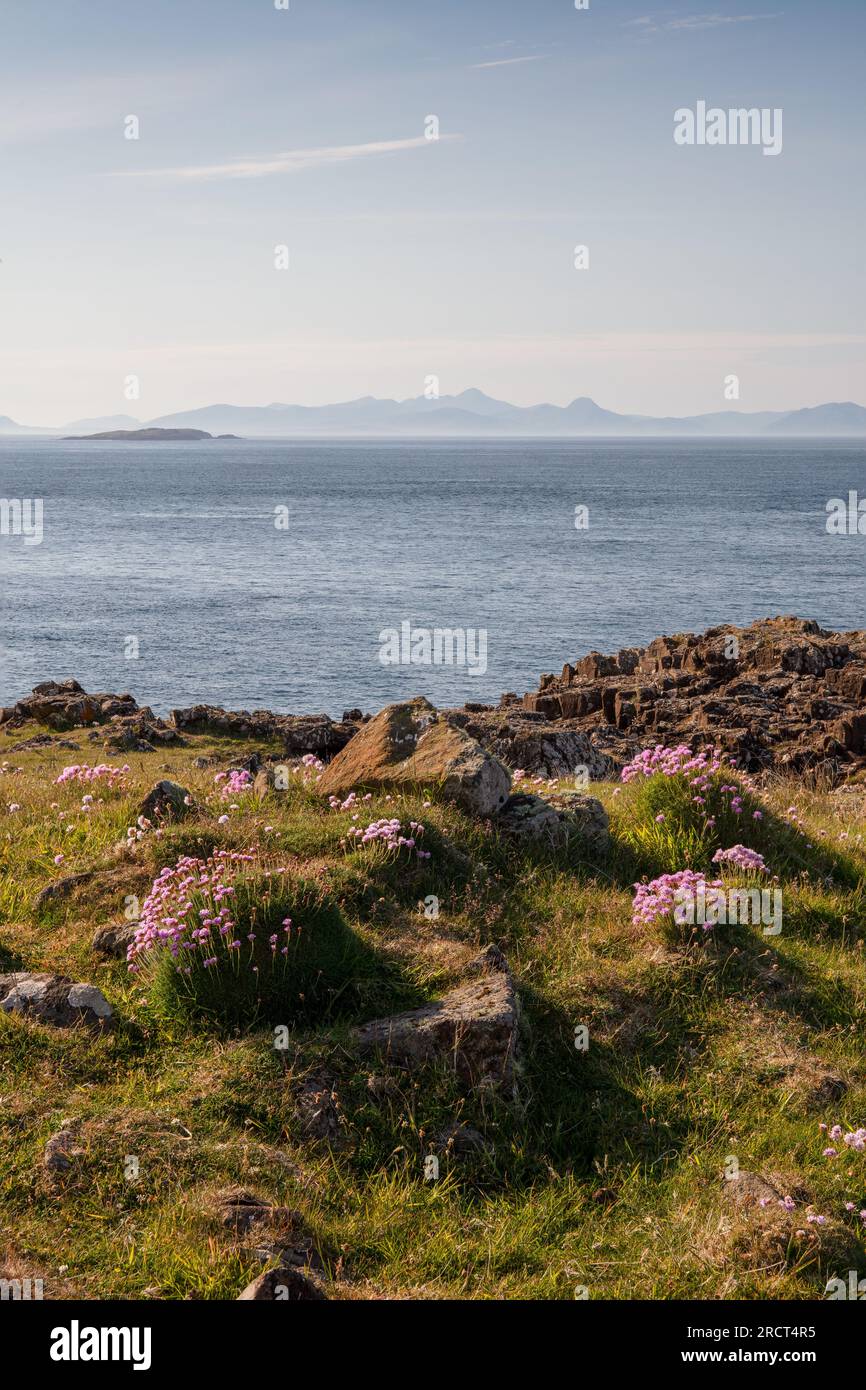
(529, 818)
(411, 745)
(555, 819)
(54, 1000)
(114, 939)
(531, 742)
(585, 817)
(474, 1027)
(166, 801)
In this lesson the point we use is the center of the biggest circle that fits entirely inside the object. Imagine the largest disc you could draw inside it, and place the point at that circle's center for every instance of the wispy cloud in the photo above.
(507, 62)
(285, 162)
(653, 24)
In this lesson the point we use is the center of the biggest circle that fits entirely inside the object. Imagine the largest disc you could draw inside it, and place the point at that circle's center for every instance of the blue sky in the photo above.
(411, 257)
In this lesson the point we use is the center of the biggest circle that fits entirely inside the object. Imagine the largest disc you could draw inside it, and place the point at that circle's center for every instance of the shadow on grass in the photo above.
(309, 974)
(10, 960)
(658, 829)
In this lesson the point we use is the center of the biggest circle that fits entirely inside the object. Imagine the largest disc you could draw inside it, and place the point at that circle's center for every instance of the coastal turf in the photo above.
(606, 1171)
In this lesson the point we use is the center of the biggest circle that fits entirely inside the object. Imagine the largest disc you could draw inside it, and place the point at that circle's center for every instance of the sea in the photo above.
(276, 574)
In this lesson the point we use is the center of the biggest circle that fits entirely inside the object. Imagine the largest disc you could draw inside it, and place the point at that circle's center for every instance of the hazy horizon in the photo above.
(409, 257)
(130, 415)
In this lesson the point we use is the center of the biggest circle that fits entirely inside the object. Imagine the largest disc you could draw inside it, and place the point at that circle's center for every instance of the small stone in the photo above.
(62, 887)
(61, 1149)
(749, 1189)
(317, 1109)
(286, 1284)
(240, 1210)
(114, 939)
(461, 1139)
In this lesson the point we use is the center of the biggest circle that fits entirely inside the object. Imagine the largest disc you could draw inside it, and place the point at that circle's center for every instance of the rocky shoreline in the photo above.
(781, 695)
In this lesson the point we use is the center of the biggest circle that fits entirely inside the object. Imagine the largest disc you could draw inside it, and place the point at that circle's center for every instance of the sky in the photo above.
(411, 257)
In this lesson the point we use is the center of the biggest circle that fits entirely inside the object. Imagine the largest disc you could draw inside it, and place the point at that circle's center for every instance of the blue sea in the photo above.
(176, 545)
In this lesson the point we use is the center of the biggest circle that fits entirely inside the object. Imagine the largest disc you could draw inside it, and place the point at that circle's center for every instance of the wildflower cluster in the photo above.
(672, 762)
(188, 910)
(852, 1139)
(656, 901)
(234, 782)
(310, 768)
(348, 803)
(82, 772)
(138, 831)
(389, 834)
(521, 776)
(749, 860)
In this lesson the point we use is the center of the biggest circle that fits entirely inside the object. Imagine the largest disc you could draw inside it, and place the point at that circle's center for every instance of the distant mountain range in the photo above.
(473, 413)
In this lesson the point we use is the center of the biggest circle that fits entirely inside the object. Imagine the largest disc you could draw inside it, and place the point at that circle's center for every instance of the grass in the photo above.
(606, 1170)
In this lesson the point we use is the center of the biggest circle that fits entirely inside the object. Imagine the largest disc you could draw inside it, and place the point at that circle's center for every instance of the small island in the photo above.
(151, 435)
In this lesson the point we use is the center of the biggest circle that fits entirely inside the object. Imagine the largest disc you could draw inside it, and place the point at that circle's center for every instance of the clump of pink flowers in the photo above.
(852, 1139)
(349, 803)
(234, 782)
(310, 768)
(655, 901)
(673, 762)
(749, 860)
(389, 834)
(188, 909)
(82, 772)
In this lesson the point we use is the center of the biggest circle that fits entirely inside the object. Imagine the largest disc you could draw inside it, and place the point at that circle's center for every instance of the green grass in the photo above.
(606, 1169)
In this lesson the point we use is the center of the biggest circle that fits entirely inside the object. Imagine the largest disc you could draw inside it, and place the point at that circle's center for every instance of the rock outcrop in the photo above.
(298, 733)
(474, 1027)
(412, 745)
(66, 705)
(782, 693)
(555, 820)
(166, 801)
(121, 725)
(54, 1000)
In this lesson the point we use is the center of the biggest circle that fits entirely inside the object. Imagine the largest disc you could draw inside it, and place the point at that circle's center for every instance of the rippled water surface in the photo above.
(176, 545)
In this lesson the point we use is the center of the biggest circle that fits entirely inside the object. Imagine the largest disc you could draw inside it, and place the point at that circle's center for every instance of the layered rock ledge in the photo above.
(781, 694)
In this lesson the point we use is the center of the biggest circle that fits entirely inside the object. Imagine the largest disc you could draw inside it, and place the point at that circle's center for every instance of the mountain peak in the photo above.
(473, 413)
